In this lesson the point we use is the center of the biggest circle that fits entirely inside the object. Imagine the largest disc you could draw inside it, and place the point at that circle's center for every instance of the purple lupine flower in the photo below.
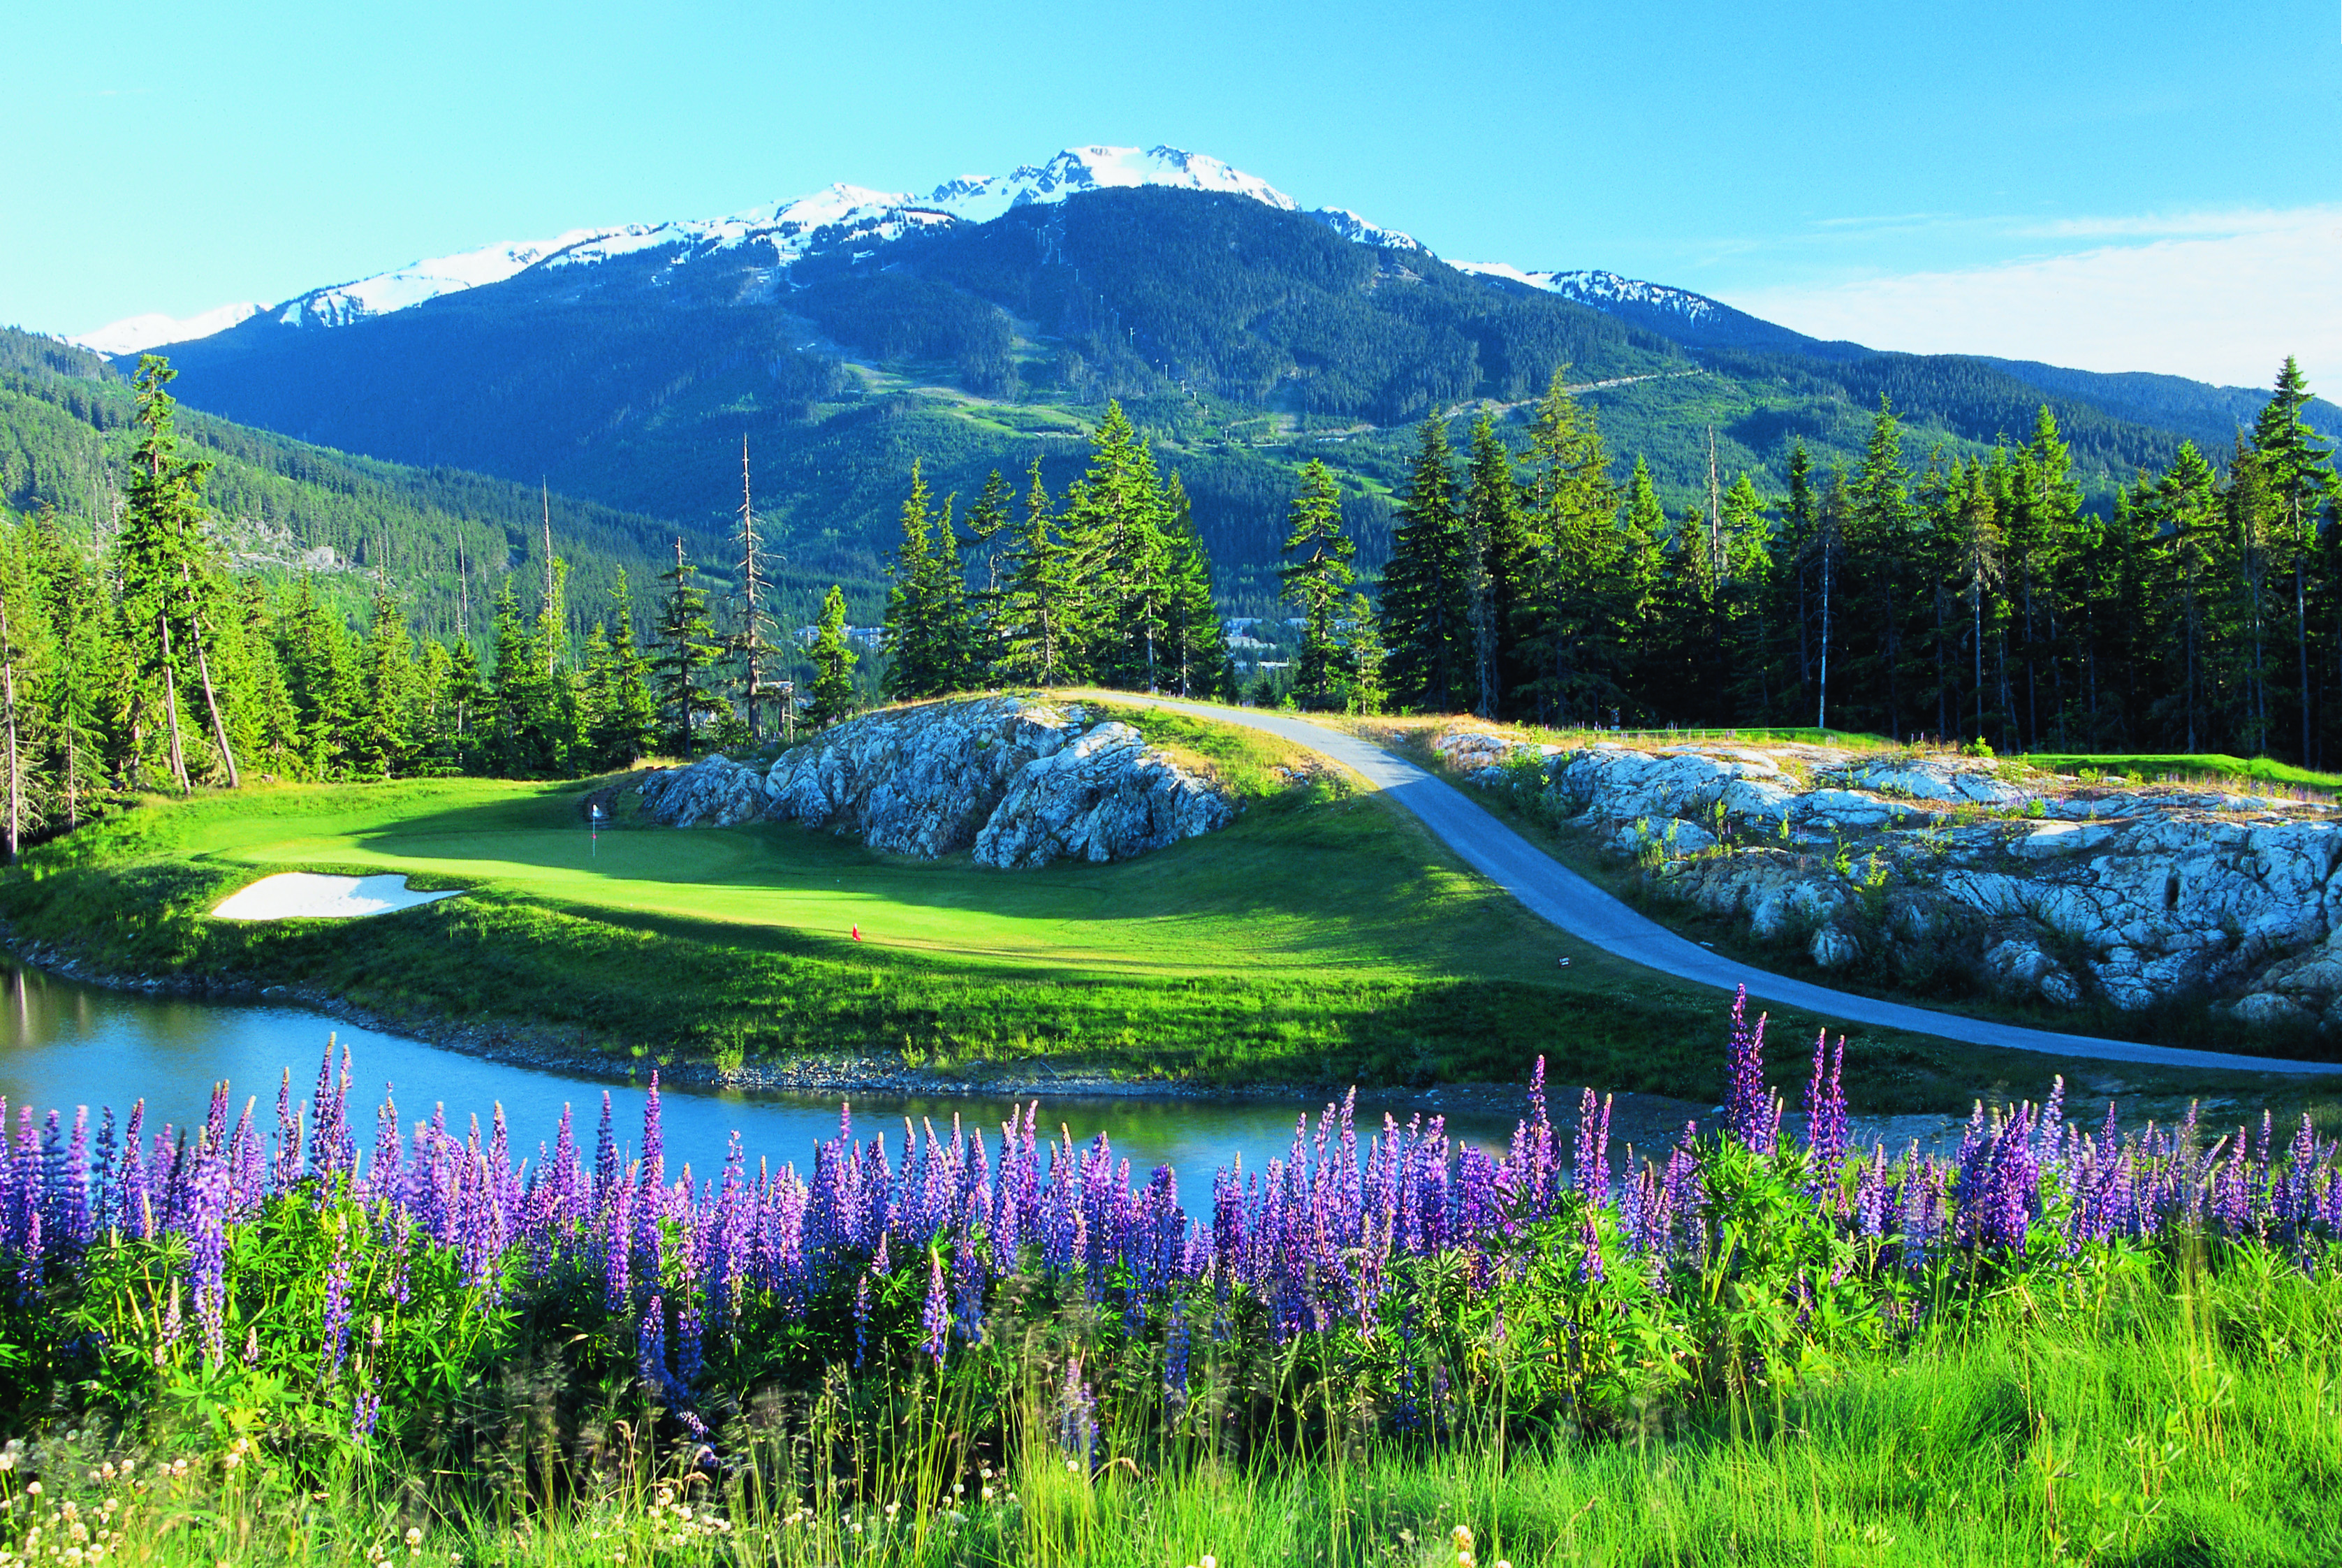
(337, 1304)
(650, 1347)
(1825, 1114)
(605, 1157)
(617, 1293)
(132, 1209)
(1175, 1351)
(385, 1178)
(74, 1210)
(325, 1137)
(1592, 1170)
(288, 1137)
(1590, 1264)
(207, 1248)
(936, 1317)
(1749, 1114)
(1870, 1195)
(861, 1319)
(967, 1288)
(364, 1413)
(29, 1273)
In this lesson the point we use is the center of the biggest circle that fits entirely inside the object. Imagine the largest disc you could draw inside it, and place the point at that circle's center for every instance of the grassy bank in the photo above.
(2154, 1427)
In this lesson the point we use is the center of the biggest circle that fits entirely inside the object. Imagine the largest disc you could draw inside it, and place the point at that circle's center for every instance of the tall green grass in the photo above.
(2161, 1415)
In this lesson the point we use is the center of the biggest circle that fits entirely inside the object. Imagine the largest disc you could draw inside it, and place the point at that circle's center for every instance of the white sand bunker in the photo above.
(303, 895)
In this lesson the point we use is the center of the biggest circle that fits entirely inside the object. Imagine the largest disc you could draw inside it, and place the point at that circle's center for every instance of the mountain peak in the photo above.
(134, 333)
(1075, 170)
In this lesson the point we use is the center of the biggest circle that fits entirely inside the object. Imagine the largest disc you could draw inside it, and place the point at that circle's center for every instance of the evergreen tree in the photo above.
(2298, 469)
(983, 651)
(467, 700)
(26, 651)
(833, 661)
(1578, 613)
(1881, 530)
(323, 677)
(624, 722)
(1038, 596)
(1119, 560)
(167, 581)
(1426, 621)
(1494, 553)
(1315, 572)
(1362, 684)
(686, 654)
(926, 608)
(1194, 638)
(73, 696)
(389, 719)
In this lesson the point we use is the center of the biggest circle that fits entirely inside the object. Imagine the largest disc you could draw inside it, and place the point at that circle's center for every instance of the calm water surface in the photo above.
(63, 1045)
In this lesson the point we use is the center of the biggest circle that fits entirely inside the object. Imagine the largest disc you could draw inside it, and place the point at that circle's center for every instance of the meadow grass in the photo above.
(2166, 1418)
(2196, 768)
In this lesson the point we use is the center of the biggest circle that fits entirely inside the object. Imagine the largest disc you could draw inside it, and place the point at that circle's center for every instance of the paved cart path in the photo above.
(1554, 893)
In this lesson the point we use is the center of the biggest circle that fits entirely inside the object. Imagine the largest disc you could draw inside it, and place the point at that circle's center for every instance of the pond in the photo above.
(64, 1044)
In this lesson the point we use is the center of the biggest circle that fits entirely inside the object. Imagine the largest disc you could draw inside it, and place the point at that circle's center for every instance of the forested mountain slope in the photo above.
(1242, 336)
(288, 507)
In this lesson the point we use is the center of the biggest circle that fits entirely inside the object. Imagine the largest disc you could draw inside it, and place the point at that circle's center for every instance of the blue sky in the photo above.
(2137, 185)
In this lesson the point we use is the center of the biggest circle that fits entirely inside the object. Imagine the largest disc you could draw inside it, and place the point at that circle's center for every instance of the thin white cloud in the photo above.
(2220, 297)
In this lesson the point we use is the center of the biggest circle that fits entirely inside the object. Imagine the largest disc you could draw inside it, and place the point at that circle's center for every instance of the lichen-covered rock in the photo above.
(1102, 796)
(1020, 782)
(714, 791)
(922, 780)
(2158, 892)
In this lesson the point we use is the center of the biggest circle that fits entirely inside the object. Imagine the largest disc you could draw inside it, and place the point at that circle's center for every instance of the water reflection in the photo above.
(68, 1045)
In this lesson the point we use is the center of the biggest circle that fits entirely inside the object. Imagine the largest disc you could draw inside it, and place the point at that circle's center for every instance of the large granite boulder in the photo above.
(1102, 796)
(1020, 783)
(714, 791)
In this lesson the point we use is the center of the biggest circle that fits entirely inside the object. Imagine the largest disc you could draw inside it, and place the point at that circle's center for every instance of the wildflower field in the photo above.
(2067, 1341)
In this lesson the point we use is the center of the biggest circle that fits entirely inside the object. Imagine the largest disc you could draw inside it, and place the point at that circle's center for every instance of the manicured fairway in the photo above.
(1299, 884)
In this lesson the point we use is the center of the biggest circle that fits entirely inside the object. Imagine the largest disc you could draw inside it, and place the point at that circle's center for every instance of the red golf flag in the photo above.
(857, 933)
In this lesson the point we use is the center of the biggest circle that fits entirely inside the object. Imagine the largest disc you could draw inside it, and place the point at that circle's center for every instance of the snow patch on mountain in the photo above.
(1079, 169)
(1602, 290)
(154, 329)
(1351, 226)
(424, 280)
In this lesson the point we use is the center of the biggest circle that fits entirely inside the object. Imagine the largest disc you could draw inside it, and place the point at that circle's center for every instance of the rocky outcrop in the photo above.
(2035, 885)
(1017, 782)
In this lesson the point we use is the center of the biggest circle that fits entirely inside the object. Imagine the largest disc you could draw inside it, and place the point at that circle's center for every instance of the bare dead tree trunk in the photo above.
(171, 709)
(211, 697)
(8, 694)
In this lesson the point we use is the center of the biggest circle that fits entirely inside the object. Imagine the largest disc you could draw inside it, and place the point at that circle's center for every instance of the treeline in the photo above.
(1973, 598)
(149, 663)
(1109, 585)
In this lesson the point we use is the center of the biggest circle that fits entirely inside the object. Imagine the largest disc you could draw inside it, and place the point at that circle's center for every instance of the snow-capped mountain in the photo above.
(418, 281)
(134, 333)
(856, 218)
(1604, 291)
(1351, 226)
(839, 216)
